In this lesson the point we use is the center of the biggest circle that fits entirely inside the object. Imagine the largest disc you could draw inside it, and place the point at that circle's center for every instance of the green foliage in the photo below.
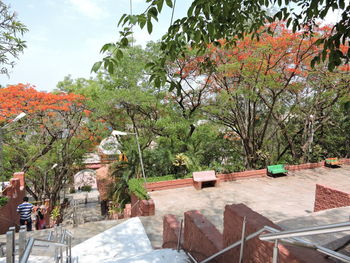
(136, 186)
(209, 21)
(55, 213)
(3, 200)
(11, 45)
(86, 188)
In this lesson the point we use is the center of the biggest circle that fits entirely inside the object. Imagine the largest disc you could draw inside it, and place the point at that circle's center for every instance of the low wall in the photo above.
(201, 237)
(15, 192)
(180, 183)
(242, 175)
(141, 207)
(164, 185)
(256, 250)
(171, 231)
(303, 166)
(327, 198)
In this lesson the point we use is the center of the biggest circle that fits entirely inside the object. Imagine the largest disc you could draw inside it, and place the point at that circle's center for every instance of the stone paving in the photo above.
(276, 198)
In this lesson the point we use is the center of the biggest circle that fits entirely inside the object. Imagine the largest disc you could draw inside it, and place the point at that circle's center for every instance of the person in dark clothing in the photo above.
(25, 213)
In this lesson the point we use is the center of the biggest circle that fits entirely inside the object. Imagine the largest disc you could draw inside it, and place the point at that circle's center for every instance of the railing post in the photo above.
(242, 240)
(10, 246)
(180, 234)
(70, 248)
(275, 252)
(22, 241)
(60, 239)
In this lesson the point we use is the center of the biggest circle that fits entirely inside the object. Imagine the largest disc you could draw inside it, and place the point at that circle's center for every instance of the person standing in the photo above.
(25, 213)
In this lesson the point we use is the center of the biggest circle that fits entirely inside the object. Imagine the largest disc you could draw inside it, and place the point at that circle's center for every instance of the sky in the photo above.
(65, 36)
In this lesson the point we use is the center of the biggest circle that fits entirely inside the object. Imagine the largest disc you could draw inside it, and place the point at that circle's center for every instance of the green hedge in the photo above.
(3, 200)
(136, 187)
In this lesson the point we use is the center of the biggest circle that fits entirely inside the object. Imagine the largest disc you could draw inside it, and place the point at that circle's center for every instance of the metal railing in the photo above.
(59, 238)
(289, 237)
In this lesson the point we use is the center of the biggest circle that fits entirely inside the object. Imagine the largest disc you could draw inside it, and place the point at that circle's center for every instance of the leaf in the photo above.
(160, 5)
(119, 54)
(169, 3)
(149, 26)
(96, 66)
(124, 42)
(121, 19)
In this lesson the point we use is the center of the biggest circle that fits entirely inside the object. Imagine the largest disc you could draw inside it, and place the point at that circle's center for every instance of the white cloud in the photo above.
(89, 8)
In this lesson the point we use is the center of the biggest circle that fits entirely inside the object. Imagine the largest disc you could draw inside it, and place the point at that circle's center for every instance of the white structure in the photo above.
(85, 177)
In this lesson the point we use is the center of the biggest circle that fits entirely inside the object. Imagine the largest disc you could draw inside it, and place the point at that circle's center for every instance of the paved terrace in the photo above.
(279, 199)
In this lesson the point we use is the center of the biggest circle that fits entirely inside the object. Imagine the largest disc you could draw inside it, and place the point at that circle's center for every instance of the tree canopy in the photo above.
(209, 21)
(11, 44)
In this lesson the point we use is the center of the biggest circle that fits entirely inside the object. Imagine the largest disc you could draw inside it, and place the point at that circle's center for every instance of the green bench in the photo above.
(272, 170)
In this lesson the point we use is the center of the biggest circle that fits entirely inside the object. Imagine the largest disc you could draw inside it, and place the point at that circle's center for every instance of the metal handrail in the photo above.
(62, 239)
(290, 237)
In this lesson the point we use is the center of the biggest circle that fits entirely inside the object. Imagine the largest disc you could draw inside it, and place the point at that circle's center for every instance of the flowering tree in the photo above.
(257, 86)
(46, 143)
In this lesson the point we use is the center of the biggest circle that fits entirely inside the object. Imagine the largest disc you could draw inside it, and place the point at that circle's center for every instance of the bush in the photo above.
(72, 190)
(136, 187)
(86, 188)
(3, 200)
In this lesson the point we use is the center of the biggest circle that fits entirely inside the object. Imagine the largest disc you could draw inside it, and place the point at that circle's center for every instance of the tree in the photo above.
(49, 142)
(11, 45)
(209, 21)
(257, 85)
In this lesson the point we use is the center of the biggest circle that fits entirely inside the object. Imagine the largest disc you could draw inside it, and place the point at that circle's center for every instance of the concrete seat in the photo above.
(204, 176)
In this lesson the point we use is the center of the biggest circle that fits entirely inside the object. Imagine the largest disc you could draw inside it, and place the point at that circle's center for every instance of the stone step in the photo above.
(122, 241)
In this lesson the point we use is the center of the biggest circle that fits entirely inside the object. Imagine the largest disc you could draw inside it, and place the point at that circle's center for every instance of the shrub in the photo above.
(3, 200)
(72, 190)
(137, 188)
(86, 188)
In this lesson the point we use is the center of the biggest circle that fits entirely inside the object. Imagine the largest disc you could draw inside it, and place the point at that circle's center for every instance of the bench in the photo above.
(272, 170)
(331, 162)
(205, 176)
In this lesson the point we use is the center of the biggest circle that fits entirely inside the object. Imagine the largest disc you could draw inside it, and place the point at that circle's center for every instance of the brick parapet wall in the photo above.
(180, 183)
(15, 192)
(171, 231)
(164, 185)
(256, 250)
(303, 166)
(141, 207)
(328, 198)
(242, 175)
(201, 237)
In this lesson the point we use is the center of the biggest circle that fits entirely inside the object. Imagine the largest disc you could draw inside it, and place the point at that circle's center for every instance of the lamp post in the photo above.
(18, 117)
(120, 133)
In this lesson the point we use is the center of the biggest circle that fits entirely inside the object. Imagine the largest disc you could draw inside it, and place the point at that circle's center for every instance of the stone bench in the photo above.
(204, 176)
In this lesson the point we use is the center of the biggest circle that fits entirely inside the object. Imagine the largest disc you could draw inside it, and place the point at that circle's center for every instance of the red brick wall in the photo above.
(8, 213)
(304, 166)
(242, 175)
(327, 198)
(164, 185)
(156, 186)
(255, 250)
(141, 207)
(171, 230)
(201, 238)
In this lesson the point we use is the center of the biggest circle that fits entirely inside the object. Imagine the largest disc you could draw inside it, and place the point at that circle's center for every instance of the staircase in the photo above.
(124, 243)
